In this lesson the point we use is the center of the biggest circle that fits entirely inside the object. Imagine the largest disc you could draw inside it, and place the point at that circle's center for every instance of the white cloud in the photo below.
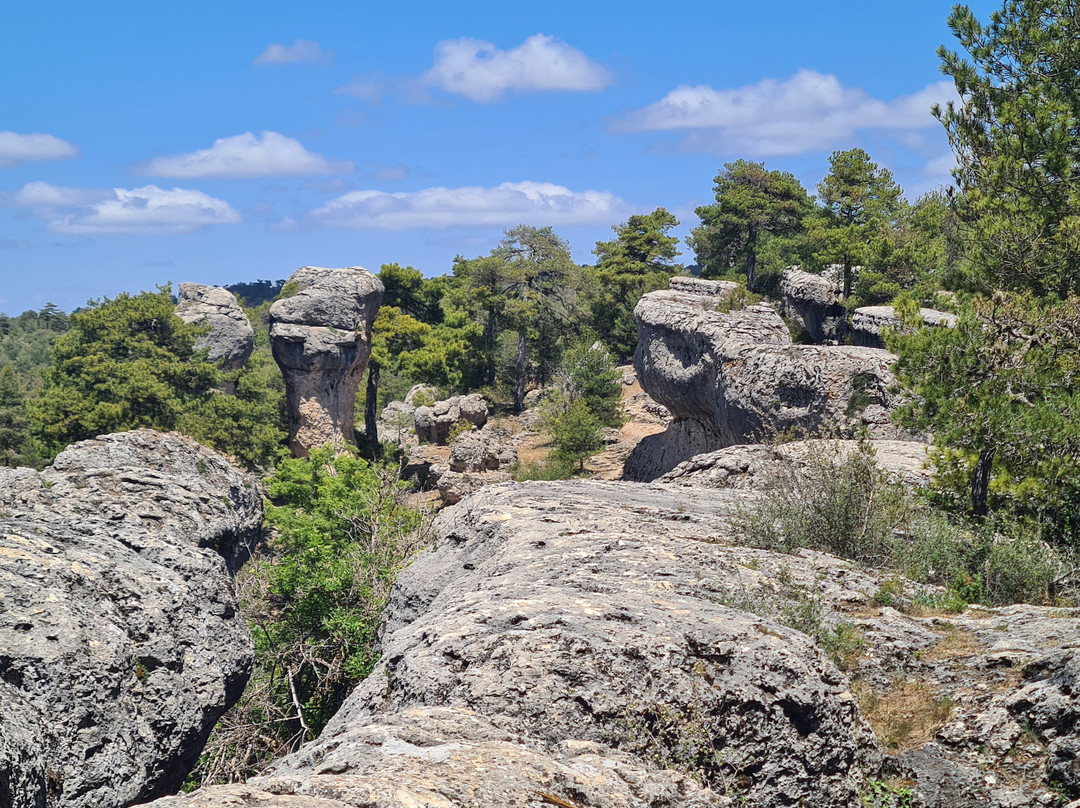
(807, 112)
(480, 71)
(507, 204)
(367, 88)
(246, 155)
(16, 148)
(302, 50)
(139, 210)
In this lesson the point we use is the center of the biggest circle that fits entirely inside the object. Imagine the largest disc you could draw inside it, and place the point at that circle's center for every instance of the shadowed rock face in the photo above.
(231, 338)
(734, 378)
(815, 302)
(321, 340)
(121, 643)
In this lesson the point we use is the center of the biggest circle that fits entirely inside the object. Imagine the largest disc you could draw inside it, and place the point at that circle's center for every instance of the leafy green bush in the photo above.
(315, 596)
(551, 469)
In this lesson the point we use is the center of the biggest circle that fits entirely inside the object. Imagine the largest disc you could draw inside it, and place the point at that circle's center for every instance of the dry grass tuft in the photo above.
(955, 644)
(905, 717)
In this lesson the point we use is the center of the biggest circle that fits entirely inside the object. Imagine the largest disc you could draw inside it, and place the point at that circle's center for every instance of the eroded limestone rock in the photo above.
(321, 340)
(869, 323)
(121, 643)
(815, 303)
(231, 338)
(434, 424)
(735, 377)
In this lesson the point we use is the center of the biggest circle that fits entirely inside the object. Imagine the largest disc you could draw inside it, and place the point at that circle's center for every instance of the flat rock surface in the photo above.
(120, 639)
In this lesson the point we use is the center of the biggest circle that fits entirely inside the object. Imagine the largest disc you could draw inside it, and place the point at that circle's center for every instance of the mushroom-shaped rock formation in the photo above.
(231, 338)
(735, 377)
(321, 340)
(121, 643)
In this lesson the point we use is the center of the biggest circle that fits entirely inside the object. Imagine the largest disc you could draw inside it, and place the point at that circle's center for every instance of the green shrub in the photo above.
(551, 469)
(843, 505)
(314, 598)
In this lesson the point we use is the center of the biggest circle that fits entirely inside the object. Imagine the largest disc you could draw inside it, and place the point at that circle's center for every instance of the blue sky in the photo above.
(219, 142)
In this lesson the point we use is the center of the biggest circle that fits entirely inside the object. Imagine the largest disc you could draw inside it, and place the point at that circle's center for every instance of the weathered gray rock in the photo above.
(454, 486)
(733, 378)
(1049, 705)
(701, 286)
(446, 756)
(815, 303)
(120, 639)
(487, 449)
(868, 323)
(420, 393)
(321, 340)
(231, 338)
(586, 640)
(754, 466)
(433, 424)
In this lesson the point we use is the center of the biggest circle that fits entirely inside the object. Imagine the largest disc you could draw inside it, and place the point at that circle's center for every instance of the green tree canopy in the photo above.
(130, 362)
(1014, 136)
(1000, 393)
(860, 199)
(752, 206)
(641, 258)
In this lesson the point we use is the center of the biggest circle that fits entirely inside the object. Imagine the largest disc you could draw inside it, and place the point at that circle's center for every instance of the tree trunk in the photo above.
(489, 346)
(980, 483)
(519, 391)
(371, 424)
(751, 257)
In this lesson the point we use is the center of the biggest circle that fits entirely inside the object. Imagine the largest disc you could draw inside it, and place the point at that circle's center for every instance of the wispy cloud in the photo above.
(149, 209)
(370, 88)
(510, 203)
(247, 155)
(482, 72)
(807, 112)
(299, 52)
(16, 149)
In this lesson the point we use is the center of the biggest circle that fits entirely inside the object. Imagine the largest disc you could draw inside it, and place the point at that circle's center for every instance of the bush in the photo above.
(848, 507)
(843, 505)
(314, 598)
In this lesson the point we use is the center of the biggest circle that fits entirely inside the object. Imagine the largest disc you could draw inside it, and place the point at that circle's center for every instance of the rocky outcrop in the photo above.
(868, 323)
(120, 639)
(321, 340)
(547, 644)
(754, 466)
(598, 644)
(435, 423)
(815, 303)
(735, 377)
(231, 338)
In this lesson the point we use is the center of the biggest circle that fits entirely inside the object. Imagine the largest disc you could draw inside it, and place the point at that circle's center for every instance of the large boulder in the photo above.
(435, 423)
(231, 338)
(815, 303)
(599, 644)
(756, 466)
(735, 377)
(554, 641)
(321, 340)
(121, 643)
(868, 323)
